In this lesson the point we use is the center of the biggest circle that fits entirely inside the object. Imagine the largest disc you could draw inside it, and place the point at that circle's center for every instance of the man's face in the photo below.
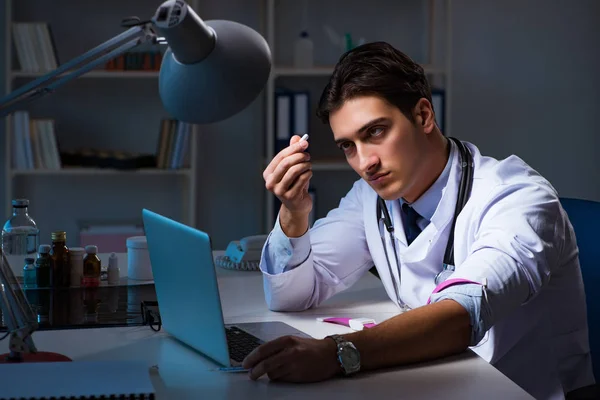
(383, 146)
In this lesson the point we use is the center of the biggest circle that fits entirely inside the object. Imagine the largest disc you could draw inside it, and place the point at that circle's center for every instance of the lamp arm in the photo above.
(78, 66)
(18, 315)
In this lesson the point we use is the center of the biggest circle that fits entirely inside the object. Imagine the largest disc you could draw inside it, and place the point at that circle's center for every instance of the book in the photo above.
(76, 380)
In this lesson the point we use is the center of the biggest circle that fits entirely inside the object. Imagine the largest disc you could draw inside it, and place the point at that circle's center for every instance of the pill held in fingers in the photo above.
(303, 138)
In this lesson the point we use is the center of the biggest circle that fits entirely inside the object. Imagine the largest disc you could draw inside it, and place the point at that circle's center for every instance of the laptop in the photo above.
(188, 294)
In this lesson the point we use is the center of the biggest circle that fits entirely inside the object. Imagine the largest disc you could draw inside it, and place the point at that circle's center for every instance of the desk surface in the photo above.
(185, 374)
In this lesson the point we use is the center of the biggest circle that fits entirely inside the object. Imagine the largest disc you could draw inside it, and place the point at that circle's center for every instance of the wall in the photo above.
(2, 91)
(230, 186)
(526, 82)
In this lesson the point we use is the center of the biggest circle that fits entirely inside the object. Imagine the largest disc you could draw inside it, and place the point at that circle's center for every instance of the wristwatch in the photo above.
(348, 355)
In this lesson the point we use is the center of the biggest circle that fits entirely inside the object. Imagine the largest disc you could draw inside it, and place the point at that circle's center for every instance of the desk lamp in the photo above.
(210, 71)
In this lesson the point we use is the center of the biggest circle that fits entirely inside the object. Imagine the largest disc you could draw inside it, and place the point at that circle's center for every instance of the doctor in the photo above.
(476, 252)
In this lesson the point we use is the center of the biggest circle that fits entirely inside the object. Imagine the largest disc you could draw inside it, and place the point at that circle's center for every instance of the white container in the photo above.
(113, 270)
(138, 259)
(76, 255)
(303, 51)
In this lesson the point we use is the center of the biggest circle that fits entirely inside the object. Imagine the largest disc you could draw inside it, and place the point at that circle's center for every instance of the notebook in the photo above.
(76, 380)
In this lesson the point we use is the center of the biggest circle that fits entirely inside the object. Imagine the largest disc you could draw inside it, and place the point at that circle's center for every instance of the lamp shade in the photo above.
(223, 83)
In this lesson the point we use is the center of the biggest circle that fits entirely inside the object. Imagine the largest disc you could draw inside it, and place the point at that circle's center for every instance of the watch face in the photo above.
(350, 357)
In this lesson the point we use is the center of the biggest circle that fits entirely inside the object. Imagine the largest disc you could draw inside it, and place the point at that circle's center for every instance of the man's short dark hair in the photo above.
(375, 69)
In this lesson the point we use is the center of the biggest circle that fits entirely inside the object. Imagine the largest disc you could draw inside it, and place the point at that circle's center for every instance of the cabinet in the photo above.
(421, 29)
(114, 110)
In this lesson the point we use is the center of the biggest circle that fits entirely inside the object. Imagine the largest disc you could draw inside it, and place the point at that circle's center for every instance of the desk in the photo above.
(185, 374)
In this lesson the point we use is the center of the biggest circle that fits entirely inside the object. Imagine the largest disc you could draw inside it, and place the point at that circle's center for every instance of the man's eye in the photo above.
(345, 146)
(376, 131)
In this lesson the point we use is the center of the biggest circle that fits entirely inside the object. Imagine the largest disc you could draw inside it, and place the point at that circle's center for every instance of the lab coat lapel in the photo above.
(443, 215)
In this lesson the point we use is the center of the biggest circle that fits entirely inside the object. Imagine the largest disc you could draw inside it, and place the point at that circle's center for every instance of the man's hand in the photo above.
(294, 359)
(288, 176)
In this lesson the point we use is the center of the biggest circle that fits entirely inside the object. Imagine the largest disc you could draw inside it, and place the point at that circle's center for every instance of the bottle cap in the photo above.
(60, 236)
(20, 202)
(91, 249)
(113, 261)
(29, 260)
(76, 251)
(137, 242)
(44, 249)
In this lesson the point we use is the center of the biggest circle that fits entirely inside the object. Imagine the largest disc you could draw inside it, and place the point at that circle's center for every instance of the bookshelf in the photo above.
(281, 25)
(136, 132)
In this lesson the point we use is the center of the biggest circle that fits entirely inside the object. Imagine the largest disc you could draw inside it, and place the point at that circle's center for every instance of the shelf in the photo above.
(327, 71)
(331, 166)
(100, 171)
(328, 166)
(93, 74)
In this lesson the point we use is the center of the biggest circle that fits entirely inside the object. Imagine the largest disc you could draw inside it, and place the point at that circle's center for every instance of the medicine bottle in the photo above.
(43, 267)
(59, 253)
(113, 269)
(76, 255)
(91, 267)
(29, 279)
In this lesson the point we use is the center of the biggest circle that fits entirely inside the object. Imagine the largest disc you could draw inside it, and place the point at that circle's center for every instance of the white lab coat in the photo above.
(512, 234)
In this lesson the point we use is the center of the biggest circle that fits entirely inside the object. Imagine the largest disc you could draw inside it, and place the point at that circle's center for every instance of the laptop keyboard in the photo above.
(240, 343)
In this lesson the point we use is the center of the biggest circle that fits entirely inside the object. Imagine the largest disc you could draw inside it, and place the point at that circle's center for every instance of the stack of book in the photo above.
(173, 149)
(34, 144)
(34, 45)
(136, 61)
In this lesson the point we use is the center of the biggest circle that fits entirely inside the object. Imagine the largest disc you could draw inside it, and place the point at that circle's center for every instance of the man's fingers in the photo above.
(274, 366)
(293, 148)
(295, 139)
(265, 351)
(299, 185)
(285, 167)
(292, 175)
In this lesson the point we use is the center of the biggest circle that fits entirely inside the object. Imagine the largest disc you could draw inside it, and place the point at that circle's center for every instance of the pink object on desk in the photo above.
(358, 324)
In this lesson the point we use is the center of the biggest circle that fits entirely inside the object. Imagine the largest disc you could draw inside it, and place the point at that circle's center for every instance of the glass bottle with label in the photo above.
(29, 278)
(91, 267)
(20, 237)
(59, 253)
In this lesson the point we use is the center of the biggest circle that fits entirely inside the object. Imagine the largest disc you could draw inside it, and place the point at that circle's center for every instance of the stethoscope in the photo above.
(464, 191)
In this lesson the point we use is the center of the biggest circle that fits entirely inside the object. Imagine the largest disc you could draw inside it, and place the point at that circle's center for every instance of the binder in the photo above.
(300, 107)
(291, 116)
(283, 120)
(76, 380)
(439, 107)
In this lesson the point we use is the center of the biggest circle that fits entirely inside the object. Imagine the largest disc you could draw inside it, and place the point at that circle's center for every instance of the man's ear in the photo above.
(424, 116)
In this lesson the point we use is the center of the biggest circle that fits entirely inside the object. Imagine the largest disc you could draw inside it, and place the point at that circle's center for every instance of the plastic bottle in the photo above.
(20, 237)
(113, 269)
(76, 255)
(303, 51)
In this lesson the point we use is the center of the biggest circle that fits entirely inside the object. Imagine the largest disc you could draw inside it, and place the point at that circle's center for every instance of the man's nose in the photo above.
(367, 160)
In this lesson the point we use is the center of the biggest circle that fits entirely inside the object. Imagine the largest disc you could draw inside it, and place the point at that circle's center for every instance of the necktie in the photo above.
(411, 229)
